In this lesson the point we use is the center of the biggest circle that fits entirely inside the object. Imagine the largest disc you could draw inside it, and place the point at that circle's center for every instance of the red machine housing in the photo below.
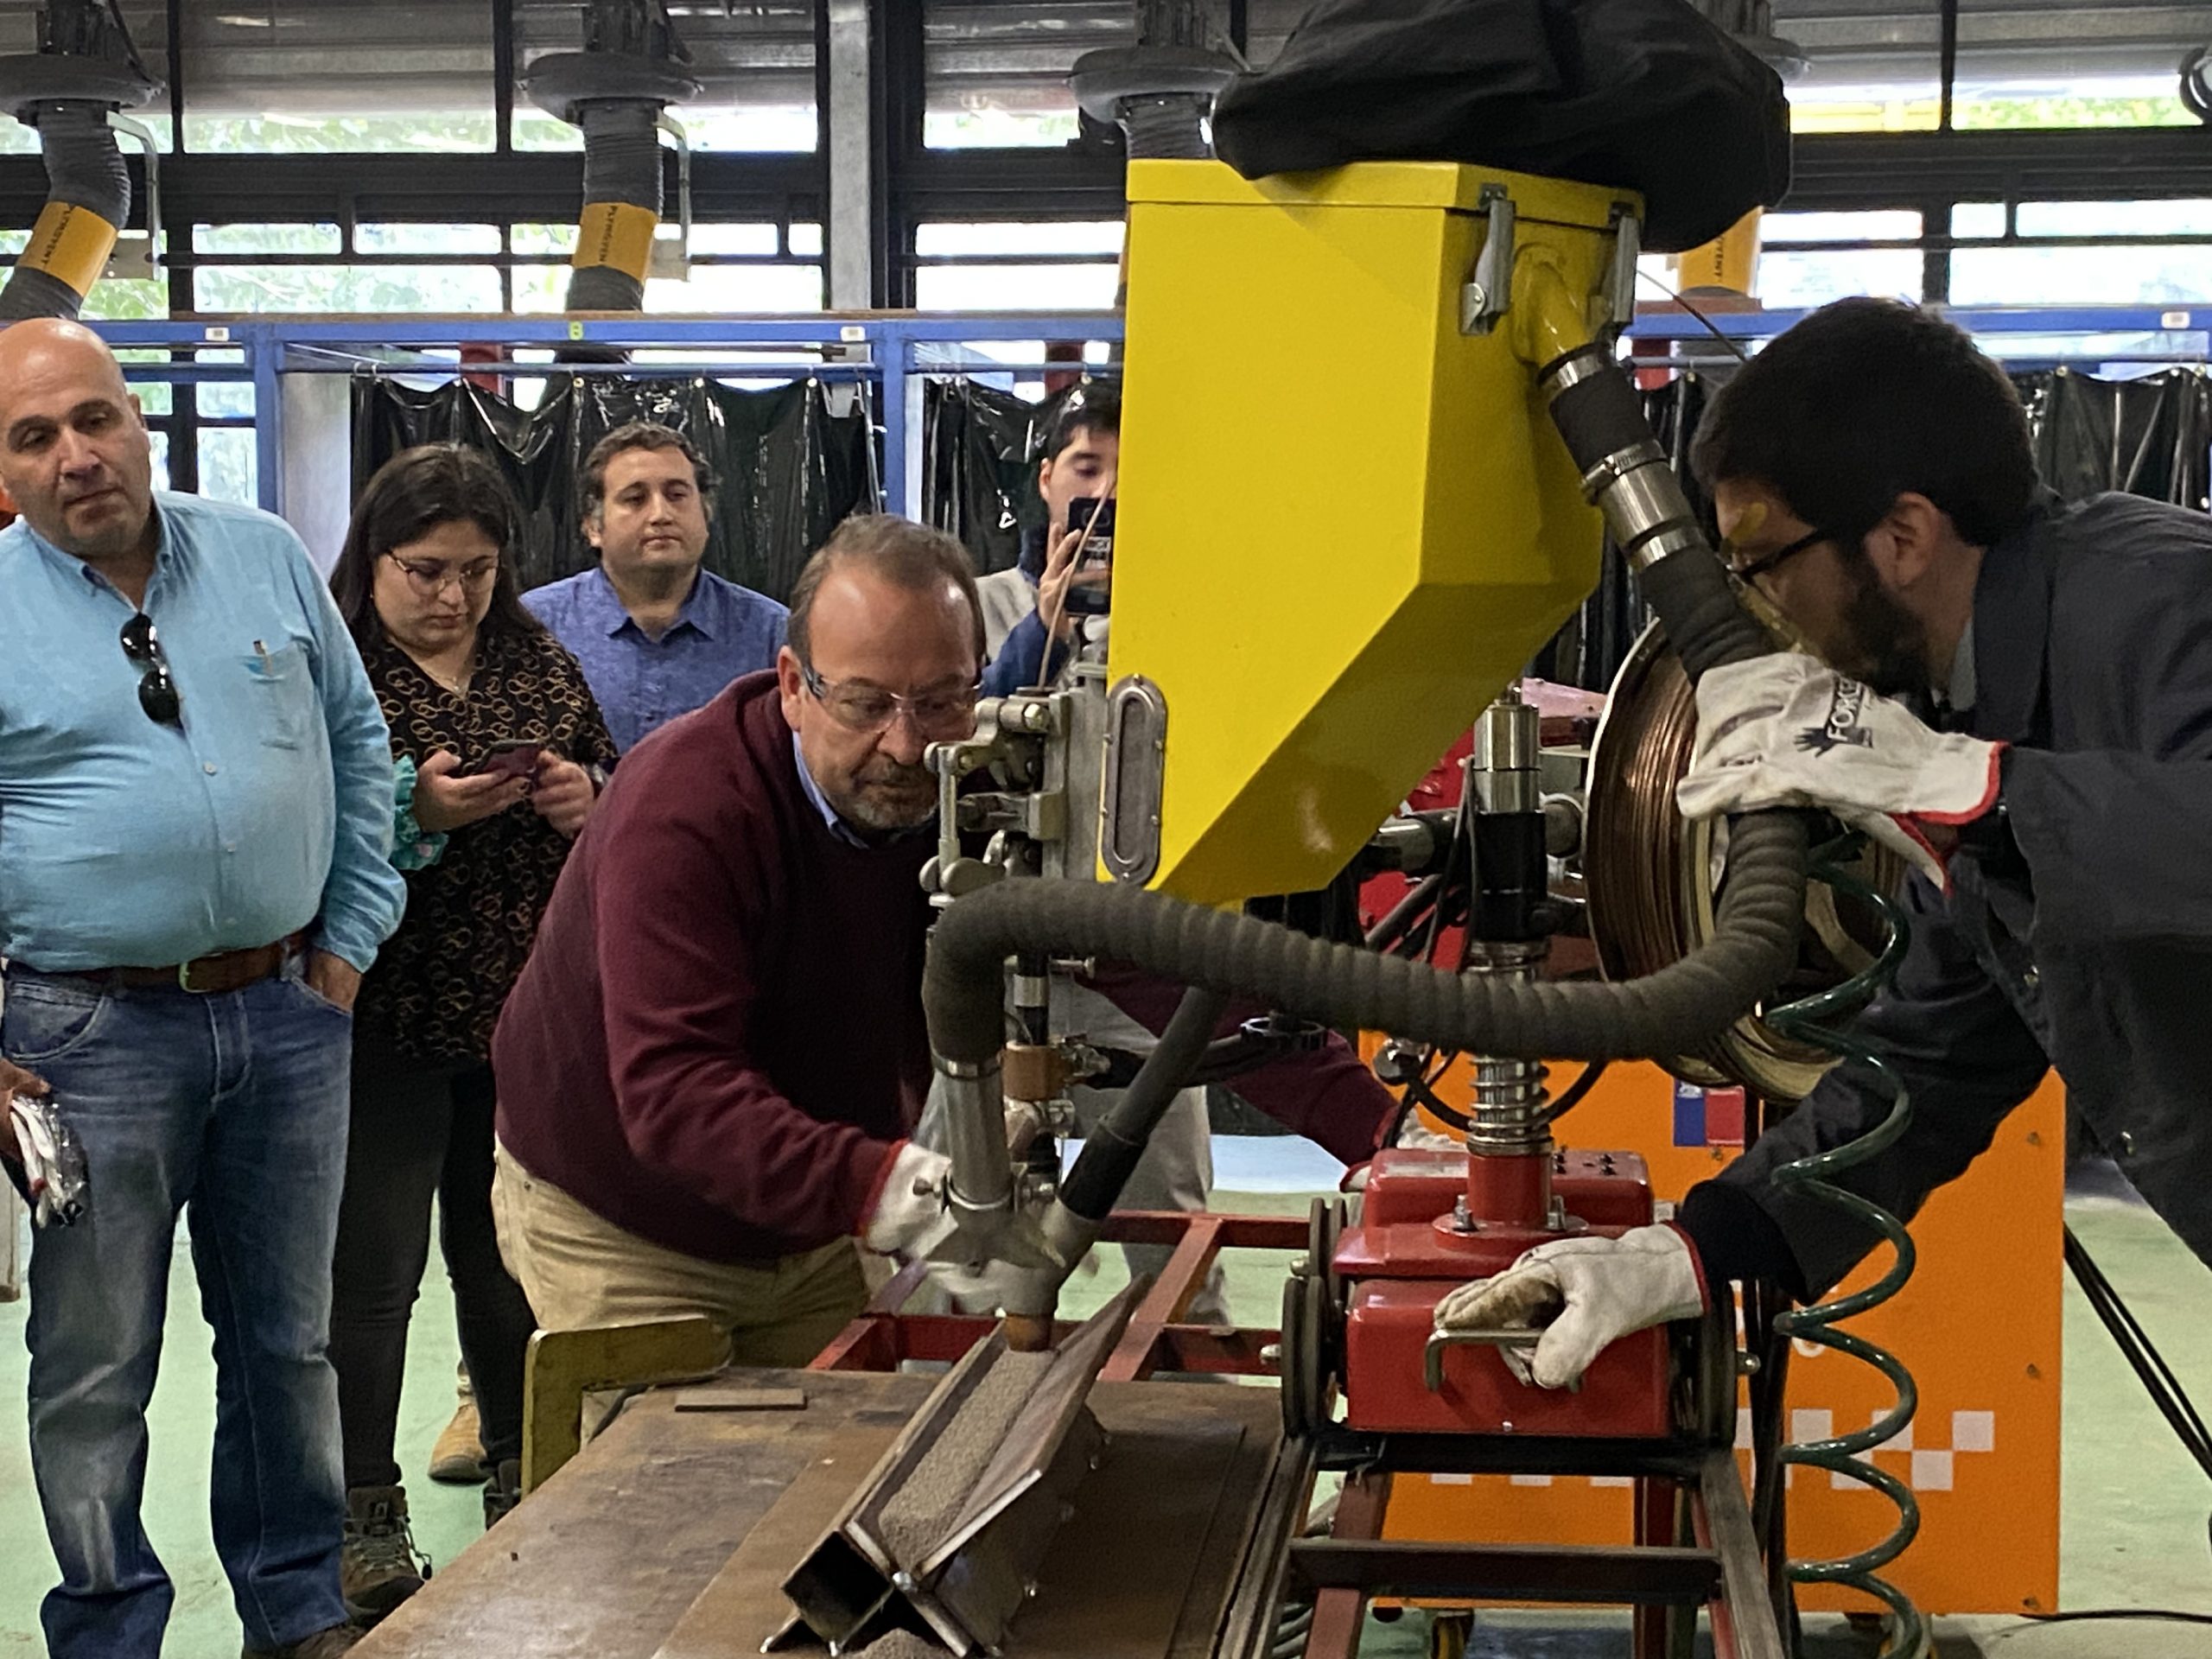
(1430, 1222)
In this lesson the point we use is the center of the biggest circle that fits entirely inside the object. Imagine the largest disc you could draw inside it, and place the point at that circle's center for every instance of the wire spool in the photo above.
(1651, 878)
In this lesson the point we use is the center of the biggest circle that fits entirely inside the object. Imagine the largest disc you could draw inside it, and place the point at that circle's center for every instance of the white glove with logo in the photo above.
(1583, 1293)
(1782, 731)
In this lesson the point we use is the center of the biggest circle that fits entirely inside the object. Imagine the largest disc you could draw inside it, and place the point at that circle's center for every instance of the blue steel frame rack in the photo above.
(896, 351)
(886, 349)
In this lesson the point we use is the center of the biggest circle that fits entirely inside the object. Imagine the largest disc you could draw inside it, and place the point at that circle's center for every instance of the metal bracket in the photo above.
(674, 262)
(1136, 765)
(1432, 1359)
(1620, 276)
(127, 264)
(1484, 297)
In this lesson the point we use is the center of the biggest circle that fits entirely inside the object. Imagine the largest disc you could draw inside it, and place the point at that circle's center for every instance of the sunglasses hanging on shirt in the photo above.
(157, 692)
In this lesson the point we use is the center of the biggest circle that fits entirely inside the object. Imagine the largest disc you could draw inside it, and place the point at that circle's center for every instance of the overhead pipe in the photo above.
(631, 68)
(72, 90)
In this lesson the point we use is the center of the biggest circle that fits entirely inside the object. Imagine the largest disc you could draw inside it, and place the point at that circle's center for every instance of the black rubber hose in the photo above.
(1110, 1151)
(622, 164)
(83, 169)
(1685, 1005)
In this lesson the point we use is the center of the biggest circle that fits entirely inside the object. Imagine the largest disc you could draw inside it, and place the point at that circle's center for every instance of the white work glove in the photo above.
(911, 1221)
(1782, 731)
(910, 1217)
(1414, 1135)
(1583, 1293)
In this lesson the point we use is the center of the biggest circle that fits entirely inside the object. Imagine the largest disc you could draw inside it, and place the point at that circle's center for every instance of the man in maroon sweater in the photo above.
(709, 1067)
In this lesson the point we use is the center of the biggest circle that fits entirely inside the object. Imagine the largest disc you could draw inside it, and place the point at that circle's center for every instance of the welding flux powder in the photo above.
(919, 1512)
(902, 1645)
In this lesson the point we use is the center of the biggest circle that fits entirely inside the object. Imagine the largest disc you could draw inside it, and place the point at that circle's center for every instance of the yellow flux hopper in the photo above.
(1348, 518)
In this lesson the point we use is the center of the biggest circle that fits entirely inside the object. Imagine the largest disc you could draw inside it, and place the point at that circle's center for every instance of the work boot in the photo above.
(458, 1456)
(502, 1492)
(380, 1567)
(323, 1644)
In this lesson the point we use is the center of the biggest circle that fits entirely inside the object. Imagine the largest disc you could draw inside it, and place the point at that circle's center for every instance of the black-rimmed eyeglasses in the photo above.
(1753, 570)
(157, 692)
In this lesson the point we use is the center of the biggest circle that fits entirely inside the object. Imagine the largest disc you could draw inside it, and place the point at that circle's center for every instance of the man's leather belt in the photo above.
(227, 970)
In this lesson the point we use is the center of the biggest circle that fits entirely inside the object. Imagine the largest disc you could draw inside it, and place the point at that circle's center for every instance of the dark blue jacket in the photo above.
(2093, 653)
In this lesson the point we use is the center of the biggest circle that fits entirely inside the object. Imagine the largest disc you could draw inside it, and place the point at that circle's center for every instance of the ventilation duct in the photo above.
(1160, 91)
(631, 68)
(72, 90)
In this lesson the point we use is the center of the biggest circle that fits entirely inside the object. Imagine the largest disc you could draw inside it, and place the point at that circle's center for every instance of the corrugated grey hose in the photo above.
(85, 168)
(1755, 935)
(621, 163)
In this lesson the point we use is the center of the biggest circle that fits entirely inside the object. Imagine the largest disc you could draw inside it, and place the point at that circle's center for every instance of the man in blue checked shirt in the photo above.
(196, 817)
(657, 635)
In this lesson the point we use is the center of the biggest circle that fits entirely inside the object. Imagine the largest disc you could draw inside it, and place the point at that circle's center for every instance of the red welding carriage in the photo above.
(1430, 1222)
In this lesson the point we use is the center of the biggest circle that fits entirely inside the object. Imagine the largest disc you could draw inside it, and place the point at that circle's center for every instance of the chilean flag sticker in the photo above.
(1708, 1118)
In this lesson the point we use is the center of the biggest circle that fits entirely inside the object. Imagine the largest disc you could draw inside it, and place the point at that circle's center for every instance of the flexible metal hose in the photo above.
(1810, 1021)
(1690, 1002)
(621, 165)
(84, 169)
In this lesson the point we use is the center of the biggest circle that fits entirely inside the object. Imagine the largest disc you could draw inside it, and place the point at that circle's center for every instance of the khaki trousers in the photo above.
(580, 1270)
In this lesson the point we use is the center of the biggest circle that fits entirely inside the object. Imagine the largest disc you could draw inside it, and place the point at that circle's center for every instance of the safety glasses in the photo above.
(1753, 570)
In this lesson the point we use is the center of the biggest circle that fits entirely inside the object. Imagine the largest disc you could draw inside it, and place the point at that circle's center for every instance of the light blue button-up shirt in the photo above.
(127, 843)
(723, 631)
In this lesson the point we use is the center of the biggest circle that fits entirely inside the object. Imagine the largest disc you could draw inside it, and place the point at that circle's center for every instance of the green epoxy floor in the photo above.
(2135, 1530)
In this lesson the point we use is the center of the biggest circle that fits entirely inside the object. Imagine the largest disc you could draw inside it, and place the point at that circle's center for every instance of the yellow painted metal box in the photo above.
(1344, 523)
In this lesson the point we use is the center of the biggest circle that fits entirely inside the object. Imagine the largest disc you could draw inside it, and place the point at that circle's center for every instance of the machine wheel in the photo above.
(1297, 1360)
(1450, 1633)
(1705, 1377)
(1325, 1225)
(1309, 1347)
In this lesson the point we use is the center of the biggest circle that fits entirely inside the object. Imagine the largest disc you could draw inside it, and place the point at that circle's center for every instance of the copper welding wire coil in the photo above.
(1649, 876)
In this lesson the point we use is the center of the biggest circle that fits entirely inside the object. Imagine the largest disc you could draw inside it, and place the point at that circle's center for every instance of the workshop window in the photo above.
(1808, 259)
(755, 63)
(997, 76)
(1017, 265)
(345, 288)
(2111, 64)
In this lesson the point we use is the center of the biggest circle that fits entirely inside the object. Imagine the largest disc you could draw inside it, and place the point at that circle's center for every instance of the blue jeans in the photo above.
(232, 1109)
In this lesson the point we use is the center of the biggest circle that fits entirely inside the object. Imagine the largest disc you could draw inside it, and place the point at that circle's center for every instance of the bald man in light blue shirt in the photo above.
(195, 822)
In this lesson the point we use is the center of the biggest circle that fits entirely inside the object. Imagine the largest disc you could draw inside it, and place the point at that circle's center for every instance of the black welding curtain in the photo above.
(787, 469)
(2151, 436)
(979, 450)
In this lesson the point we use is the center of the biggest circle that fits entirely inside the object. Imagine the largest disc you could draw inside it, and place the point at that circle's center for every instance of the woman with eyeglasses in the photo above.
(500, 751)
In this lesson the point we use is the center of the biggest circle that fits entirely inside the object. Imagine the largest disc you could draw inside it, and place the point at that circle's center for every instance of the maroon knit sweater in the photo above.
(718, 1040)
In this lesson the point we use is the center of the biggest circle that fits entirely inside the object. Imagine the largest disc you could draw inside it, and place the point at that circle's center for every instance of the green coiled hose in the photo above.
(1810, 1021)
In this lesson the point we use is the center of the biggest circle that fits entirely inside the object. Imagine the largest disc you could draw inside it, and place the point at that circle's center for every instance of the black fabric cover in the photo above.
(787, 469)
(1643, 95)
(2151, 436)
(979, 450)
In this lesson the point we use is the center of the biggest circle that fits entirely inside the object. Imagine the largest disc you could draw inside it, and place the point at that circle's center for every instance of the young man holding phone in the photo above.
(1066, 564)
